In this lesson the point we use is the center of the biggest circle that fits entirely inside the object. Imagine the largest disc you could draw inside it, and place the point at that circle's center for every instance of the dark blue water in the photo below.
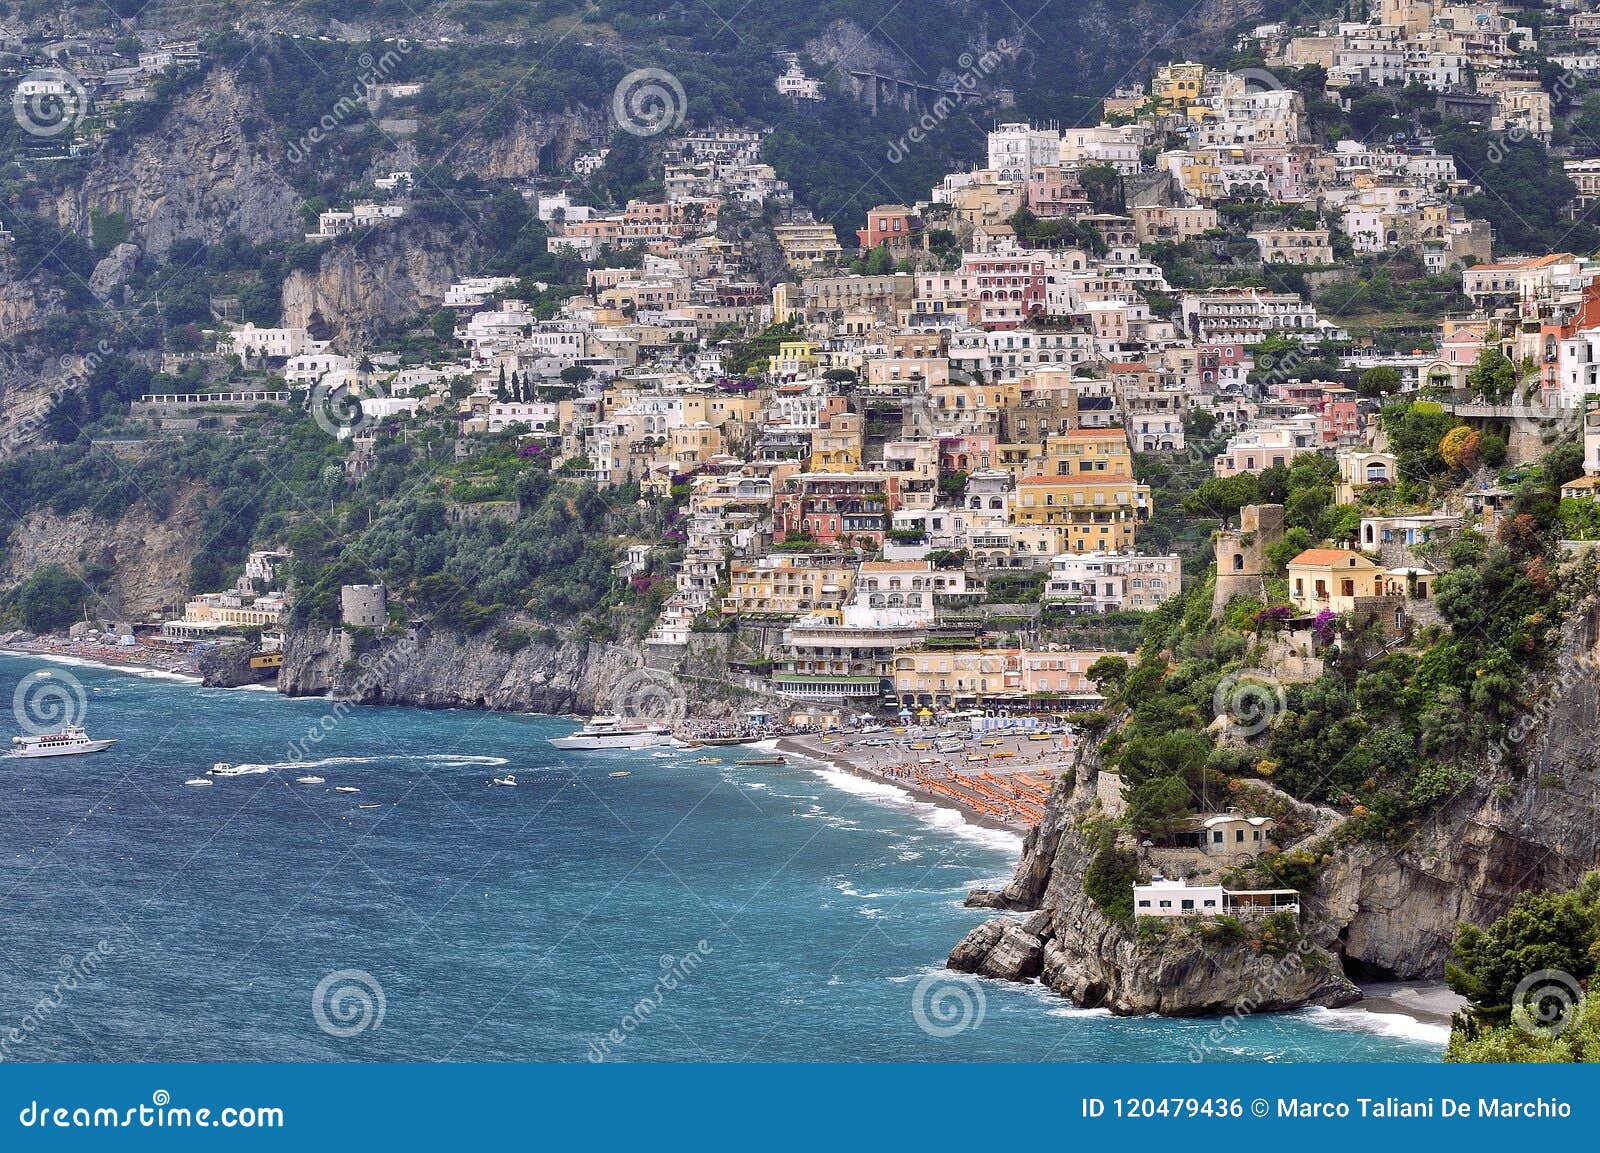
(681, 912)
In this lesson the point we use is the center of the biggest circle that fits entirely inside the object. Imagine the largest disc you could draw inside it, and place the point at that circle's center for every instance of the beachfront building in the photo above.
(1177, 898)
(789, 585)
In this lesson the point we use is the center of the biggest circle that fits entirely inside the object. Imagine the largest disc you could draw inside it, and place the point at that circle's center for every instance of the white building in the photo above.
(1105, 582)
(1164, 898)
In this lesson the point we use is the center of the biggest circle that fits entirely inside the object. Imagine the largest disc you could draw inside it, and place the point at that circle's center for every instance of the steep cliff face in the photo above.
(200, 174)
(531, 144)
(433, 669)
(148, 558)
(1069, 944)
(1530, 820)
(388, 276)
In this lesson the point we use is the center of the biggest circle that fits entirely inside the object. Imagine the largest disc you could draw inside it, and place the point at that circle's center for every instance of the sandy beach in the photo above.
(998, 781)
(171, 660)
(1429, 1002)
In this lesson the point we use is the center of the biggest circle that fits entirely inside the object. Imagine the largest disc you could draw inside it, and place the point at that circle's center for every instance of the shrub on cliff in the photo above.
(1111, 874)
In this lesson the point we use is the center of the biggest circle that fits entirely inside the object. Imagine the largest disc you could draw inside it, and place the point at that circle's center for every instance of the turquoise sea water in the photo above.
(681, 912)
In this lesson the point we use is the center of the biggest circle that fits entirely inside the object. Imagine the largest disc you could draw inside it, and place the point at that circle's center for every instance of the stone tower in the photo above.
(1242, 553)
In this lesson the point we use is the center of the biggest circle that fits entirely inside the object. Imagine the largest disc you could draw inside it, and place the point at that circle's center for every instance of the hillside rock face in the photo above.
(531, 144)
(197, 175)
(390, 275)
(148, 558)
(440, 670)
(1530, 819)
(1069, 944)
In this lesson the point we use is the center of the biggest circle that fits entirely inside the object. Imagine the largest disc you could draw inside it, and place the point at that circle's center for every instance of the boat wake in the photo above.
(447, 760)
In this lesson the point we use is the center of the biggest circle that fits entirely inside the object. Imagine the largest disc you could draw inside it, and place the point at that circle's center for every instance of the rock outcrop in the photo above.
(204, 172)
(1529, 820)
(1070, 944)
(147, 558)
(438, 669)
(113, 270)
(390, 275)
(1380, 910)
(530, 145)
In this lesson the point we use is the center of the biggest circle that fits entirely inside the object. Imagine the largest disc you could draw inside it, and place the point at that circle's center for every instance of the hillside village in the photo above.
(925, 473)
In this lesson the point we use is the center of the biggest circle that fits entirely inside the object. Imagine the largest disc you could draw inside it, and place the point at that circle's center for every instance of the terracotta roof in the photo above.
(1330, 556)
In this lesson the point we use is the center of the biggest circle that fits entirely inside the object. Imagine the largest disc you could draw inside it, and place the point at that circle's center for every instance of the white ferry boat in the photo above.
(68, 742)
(614, 733)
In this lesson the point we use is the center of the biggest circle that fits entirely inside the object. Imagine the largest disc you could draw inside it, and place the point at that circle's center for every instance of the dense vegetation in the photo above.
(1526, 978)
(410, 523)
(1387, 732)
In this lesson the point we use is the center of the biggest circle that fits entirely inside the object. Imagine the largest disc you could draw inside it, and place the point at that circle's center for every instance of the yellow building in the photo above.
(1332, 579)
(948, 677)
(1176, 86)
(1087, 513)
(790, 586)
(793, 358)
(1088, 452)
(836, 447)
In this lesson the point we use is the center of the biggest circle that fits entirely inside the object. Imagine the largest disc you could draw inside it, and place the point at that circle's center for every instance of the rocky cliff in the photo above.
(1072, 946)
(531, 144)
(147, 557)
(1380, 910)
(208, 169)
(1527, 821)
(390, 275)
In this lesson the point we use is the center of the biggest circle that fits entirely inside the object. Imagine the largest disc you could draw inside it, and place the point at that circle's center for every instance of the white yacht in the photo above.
(66, 743)
(224, 769)
(615, 733)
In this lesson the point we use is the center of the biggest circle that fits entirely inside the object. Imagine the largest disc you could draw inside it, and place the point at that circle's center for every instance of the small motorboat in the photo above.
(311, 779)
(224, 769)
(620, 773)
(373, 805)
(199, 781)
(708, 760)
(661, 756)
(508, 780)
(345, 789)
